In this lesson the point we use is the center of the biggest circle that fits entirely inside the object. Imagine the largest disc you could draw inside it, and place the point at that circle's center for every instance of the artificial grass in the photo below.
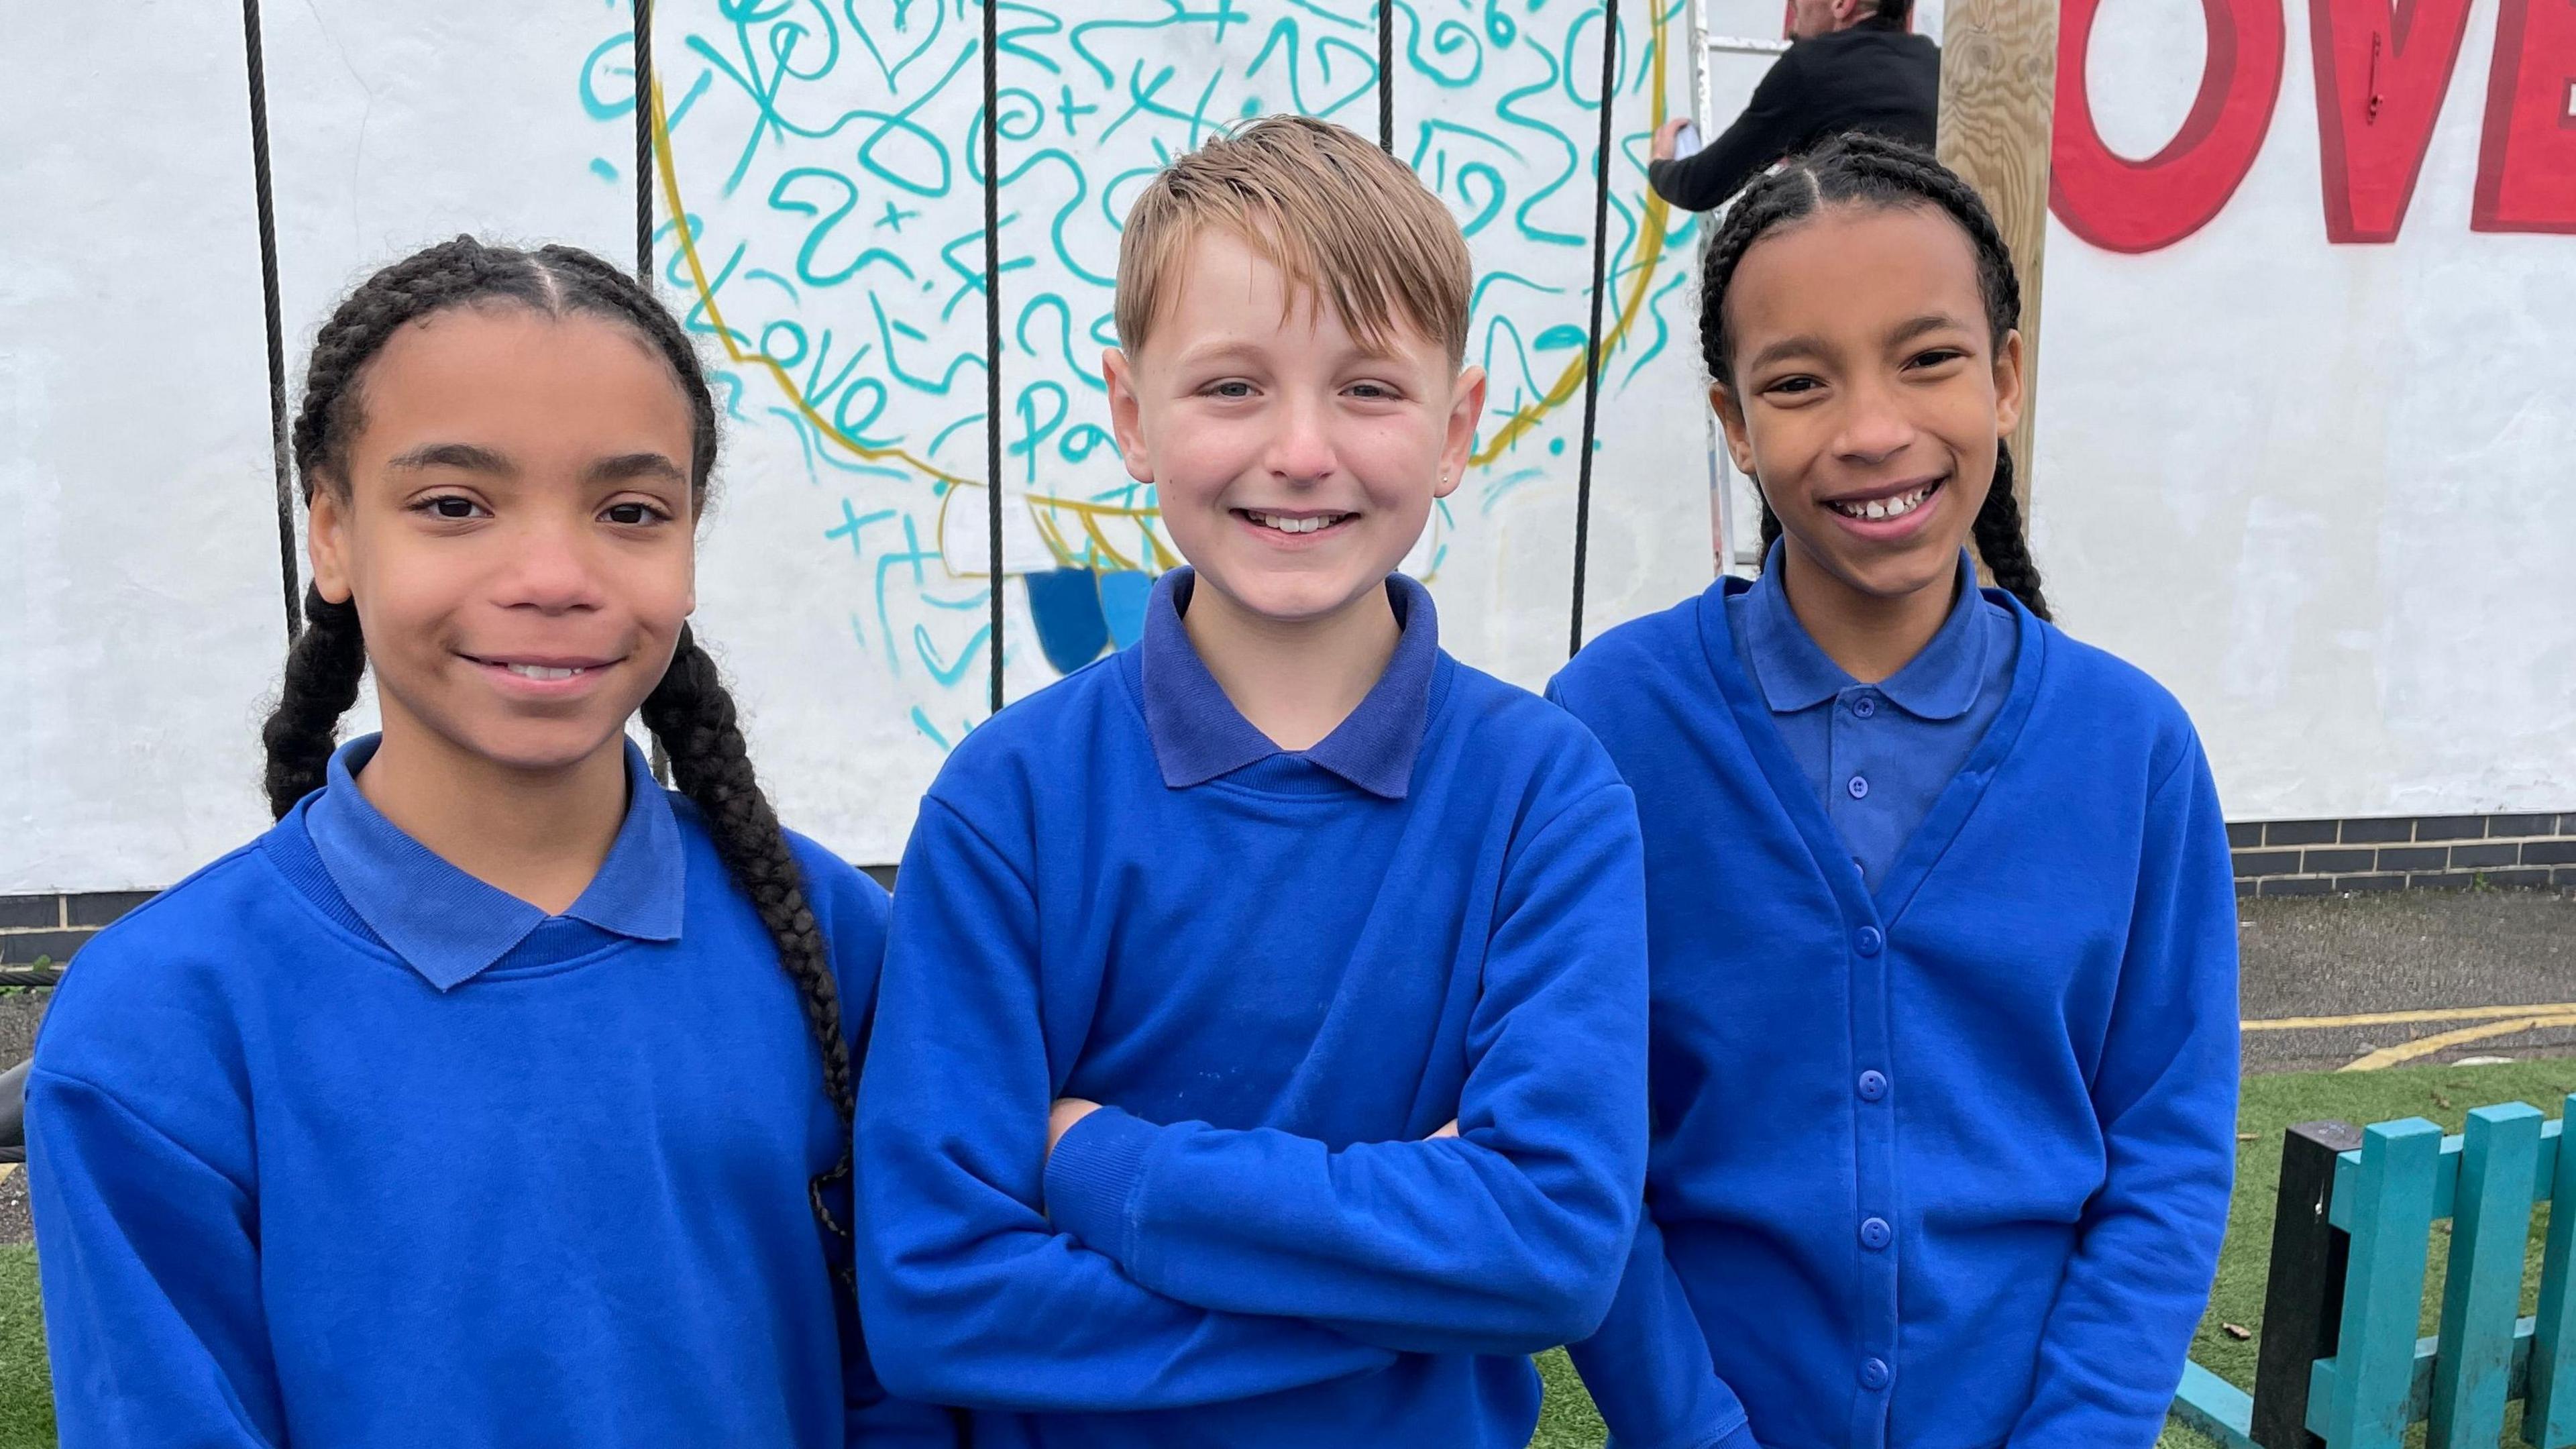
(2271, 1104)
(26, 1394)
(1565, 1419)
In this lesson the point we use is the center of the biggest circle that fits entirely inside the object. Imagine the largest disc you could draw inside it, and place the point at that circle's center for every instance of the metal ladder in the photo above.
(1733, 556)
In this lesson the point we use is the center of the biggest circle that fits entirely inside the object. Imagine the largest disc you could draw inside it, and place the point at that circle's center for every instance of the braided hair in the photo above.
(689, 711)
(1871, 170)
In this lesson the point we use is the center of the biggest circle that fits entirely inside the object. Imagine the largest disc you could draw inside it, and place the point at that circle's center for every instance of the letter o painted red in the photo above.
(2140, 206)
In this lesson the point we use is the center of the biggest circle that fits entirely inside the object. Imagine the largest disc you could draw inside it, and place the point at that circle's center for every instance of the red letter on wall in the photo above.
(2140, 206)
(2527, 165)
(2383, 67)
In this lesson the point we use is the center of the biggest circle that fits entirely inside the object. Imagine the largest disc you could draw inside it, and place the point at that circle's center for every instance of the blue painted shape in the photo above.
(2392, 1214)
(1065, 605)
(2483, 1292)
(2549, 1417)
(2215, 1407)
(1123, 593)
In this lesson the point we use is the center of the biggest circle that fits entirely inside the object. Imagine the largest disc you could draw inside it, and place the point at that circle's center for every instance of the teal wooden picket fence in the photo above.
(2341, 1365)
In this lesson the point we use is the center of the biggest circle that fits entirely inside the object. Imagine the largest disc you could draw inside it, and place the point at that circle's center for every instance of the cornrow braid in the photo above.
(1872, 170)
(689, 711)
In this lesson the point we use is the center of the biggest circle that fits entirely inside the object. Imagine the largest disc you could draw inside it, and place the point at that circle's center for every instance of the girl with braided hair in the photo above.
(495, 1096)
(1943, 937)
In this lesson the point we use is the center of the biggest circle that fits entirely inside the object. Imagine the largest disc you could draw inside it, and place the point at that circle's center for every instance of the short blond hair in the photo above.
(1342, 221)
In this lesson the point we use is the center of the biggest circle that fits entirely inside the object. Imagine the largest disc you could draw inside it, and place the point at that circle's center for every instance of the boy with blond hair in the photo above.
(1260, 1058)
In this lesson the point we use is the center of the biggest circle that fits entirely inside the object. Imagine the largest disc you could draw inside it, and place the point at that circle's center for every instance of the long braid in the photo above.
(2001, 542)
(323, 667)
(694, 717)
(689, 710)
(1860, 167)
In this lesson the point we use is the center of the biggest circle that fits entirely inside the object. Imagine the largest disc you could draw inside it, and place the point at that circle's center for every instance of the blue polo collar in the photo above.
(1198, 734)
(451, 927)
(1940, 682)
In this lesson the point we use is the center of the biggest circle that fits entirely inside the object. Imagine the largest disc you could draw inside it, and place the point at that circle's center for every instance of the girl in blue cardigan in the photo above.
(496, 1095)
(1942, 927)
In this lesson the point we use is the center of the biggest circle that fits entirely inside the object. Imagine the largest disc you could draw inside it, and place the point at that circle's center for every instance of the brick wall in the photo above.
(51, 927)
(2273, 858)
(2407, 852)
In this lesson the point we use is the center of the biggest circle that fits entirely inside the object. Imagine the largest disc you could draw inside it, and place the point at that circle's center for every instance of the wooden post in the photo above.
(2490, 1226)
(2392, 1217)
(2303, 1298)
(2549, 1418)
(1998, 94)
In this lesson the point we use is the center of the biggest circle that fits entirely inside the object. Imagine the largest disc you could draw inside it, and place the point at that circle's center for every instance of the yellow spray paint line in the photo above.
(2412, 1018)
(1650, 251)
(2443, 1041)
(663, 164)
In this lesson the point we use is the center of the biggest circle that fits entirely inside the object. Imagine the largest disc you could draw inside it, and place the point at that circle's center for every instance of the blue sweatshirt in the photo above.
(1281, 972)
(350, 1148)
(1942, 1165)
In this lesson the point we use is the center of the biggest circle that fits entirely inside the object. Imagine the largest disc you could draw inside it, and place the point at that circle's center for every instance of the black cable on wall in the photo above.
(1592, 340)
(288, 572)
(993, 327)
(660, 759)
(1386, 75)
(644, 142)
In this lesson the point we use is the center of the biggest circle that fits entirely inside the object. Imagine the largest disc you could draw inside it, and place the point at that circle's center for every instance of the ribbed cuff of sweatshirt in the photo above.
(1091, 1175)
(1740, 1437)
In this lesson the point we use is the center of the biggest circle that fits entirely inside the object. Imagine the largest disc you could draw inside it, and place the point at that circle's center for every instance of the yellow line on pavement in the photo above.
(2425, 1046)
(2402, 1018)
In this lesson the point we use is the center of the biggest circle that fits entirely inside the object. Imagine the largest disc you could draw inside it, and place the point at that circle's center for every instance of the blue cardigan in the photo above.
(1946, 1165)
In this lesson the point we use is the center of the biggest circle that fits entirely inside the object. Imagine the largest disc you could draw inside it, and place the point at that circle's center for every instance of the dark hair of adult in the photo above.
(688, 711)
(1859, 169)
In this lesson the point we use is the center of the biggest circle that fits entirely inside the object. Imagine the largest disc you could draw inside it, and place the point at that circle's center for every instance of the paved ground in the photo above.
(2414, 954)
(2409, 953)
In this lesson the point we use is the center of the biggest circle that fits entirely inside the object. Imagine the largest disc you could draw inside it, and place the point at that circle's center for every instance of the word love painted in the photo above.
(2383, 68)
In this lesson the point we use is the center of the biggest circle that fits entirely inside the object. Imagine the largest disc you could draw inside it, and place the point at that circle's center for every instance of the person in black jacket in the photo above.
(1849, 67)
